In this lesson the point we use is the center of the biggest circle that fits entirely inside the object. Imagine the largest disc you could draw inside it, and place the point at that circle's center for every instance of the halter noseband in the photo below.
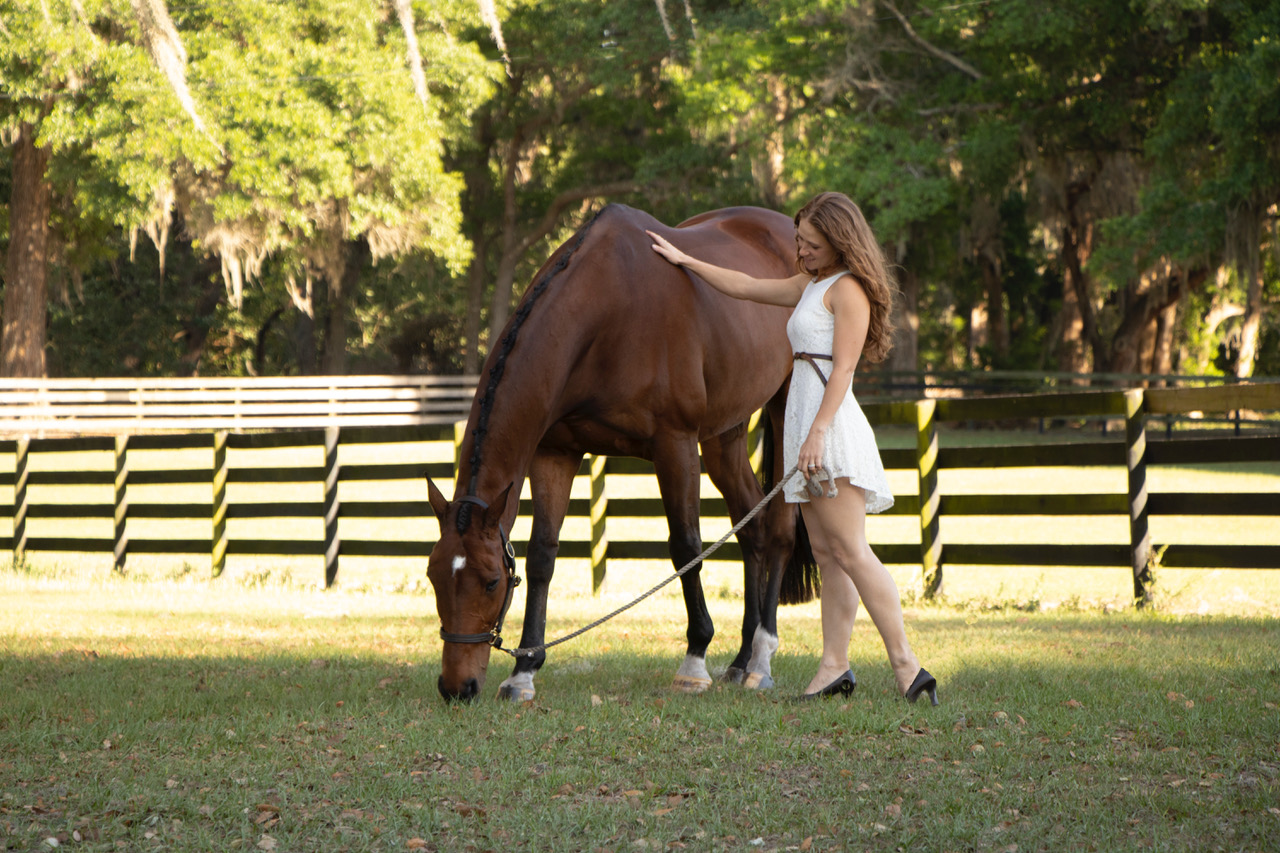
(494, 635)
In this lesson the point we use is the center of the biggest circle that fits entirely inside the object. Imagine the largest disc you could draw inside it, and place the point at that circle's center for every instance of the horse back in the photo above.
(660, 349)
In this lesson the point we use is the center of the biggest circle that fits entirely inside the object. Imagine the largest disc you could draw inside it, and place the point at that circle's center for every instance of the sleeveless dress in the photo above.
(850, 450)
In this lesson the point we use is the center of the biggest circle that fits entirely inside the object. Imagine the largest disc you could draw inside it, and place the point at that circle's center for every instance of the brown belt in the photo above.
(811, 358)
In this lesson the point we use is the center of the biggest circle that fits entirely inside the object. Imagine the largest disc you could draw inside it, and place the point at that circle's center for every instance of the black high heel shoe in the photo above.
(924, 682)
(842, 686)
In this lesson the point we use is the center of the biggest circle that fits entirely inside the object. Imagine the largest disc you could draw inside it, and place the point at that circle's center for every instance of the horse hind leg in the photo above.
(550, 480)
(729, 467)
(676, 462)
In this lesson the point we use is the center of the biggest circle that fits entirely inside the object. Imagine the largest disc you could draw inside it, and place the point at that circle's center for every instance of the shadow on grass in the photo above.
(1057, 731)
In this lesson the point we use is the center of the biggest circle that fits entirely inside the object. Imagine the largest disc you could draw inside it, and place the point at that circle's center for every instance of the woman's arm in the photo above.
(852, 310)
(771, 291)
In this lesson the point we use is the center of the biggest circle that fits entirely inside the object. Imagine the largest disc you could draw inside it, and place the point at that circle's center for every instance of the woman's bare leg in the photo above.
(839, 604)
(841, 524)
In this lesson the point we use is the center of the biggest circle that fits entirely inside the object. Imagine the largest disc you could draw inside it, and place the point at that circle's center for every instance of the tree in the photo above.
(584, 116)
(321, 145)
(112, 160)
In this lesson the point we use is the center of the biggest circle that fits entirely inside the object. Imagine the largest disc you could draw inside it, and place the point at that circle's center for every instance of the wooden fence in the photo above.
(116, 471)
(57, 406)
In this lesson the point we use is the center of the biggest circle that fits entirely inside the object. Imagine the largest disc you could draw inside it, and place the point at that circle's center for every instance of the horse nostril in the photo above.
(470, 689)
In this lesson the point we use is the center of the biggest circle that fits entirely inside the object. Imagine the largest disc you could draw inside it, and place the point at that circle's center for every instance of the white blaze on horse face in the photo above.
(459, 563)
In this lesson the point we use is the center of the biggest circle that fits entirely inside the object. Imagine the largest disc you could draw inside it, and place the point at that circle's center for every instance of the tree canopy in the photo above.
(364, 186)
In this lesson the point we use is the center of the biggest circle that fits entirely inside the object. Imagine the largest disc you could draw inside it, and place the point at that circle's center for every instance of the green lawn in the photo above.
(248, 713)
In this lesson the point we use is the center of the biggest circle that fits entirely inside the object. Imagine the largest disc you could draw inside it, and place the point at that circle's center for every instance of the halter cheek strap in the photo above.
(494, 635)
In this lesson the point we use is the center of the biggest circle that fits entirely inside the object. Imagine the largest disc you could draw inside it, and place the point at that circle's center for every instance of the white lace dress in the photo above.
(850, 451)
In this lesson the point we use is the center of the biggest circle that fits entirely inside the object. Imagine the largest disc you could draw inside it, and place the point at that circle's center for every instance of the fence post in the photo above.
(459, 432)
(20, 478)
(1135, 440)
(599, 536)
(219, 502)
(755, 440)
(930, 499)
(332, 507)
(121, 540)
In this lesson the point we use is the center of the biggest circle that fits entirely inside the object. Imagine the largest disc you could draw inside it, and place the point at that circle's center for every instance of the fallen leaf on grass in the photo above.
(266, 842)
(893, 810)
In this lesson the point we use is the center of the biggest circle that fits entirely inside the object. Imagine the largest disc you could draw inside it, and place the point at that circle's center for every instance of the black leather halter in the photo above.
(494, 635)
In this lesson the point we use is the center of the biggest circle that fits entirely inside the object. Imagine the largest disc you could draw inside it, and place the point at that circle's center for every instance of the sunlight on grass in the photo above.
(163, 710)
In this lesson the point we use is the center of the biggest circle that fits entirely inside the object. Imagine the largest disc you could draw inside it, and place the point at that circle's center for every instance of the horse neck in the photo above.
(520, 413)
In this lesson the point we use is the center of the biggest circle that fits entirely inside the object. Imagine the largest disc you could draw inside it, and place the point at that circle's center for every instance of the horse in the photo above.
(614, 351)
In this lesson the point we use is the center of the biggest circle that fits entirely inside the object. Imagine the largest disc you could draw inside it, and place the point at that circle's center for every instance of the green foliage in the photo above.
(967, 132)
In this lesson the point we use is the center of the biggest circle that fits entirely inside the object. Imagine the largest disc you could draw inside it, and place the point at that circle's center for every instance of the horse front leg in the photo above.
(729, 466)
(675, 459)
(550, 481)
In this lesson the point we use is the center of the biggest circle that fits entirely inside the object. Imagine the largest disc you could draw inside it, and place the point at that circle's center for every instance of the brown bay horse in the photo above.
(614, 351)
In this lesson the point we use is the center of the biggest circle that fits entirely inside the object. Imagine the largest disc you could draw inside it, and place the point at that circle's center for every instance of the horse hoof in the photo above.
(516, 694)
(690, 684)
(757, 681)
(734, 675)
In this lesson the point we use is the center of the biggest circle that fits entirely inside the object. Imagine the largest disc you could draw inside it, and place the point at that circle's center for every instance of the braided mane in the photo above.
(508, 343)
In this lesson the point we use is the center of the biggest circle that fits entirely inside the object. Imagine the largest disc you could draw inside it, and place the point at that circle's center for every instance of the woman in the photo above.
(842, 299)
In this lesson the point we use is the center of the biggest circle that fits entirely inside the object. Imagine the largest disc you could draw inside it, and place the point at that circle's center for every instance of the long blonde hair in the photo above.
(838, 219)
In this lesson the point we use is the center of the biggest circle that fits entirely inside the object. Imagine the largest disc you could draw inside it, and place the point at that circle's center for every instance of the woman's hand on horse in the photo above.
(663, 247)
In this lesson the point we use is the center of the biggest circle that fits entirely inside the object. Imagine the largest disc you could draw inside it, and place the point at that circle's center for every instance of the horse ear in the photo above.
(498, 508)
(439, 505)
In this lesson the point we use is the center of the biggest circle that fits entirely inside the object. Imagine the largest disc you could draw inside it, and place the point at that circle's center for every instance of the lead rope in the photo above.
(533, 650)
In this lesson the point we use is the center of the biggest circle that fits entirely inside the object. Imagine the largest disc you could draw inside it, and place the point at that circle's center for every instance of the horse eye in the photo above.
(491, 585)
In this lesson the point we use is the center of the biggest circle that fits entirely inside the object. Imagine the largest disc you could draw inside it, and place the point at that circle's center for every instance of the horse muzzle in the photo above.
(466, 692)
(463, 669)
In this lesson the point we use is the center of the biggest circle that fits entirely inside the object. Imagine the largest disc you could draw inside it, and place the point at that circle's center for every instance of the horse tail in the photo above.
(801, 581)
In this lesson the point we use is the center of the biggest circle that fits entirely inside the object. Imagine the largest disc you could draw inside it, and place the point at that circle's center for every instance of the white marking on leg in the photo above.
(517, 688)
(459, 563)
(694, 667)
(759, 669)
(692, 676)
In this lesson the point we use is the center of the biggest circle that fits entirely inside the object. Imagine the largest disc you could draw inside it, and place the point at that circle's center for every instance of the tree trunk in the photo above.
(1076, 246)
(25, 308)
(333, 361)
(1070, 347)
(1166, 323)
(205, 277)
(476, 277)
(997, 321)
(767, 167)
(305, 348)
(906, 320)
(1252, 317)
(977, 332)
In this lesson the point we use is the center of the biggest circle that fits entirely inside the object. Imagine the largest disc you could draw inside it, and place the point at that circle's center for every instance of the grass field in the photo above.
(164, 710)
(251, 713)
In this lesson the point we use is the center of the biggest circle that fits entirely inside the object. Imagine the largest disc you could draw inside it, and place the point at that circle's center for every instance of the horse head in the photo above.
(472, 570)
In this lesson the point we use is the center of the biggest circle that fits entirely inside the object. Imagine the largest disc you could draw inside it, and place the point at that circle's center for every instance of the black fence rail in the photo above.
(114, 468)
